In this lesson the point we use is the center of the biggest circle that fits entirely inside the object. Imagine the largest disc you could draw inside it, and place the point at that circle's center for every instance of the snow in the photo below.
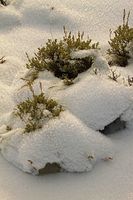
(9, 69)
(26, 25)
(84, 53)
(6, 103)
(99, 62)
(9, 18)
(65, 141)
(95, 100)
(111, 180)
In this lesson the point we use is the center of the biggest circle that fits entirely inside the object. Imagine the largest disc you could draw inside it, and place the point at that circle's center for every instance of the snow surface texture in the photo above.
(6, 103)
(96, 100)
(33, 22)
(65, 141)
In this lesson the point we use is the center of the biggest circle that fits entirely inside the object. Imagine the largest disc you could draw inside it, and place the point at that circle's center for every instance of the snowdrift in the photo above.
(65, 142)
(95, 99)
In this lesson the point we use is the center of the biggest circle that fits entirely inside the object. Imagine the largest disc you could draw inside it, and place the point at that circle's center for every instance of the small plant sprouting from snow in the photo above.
(96, 71)
(130, 81)
(123, 35)
(4, 2)
(55, 56)
(68, 81)
(36, 110)
(2, 60)
(113, 75)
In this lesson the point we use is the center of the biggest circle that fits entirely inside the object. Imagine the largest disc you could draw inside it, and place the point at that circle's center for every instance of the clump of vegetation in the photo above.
(55, 56)
(2, 60)
(4, 2)
(130, 81)
(114, 75)
(37, 110)
(68, 81)
(123, 35)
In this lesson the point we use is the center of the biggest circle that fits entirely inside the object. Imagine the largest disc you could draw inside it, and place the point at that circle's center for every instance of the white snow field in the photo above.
(92, 102)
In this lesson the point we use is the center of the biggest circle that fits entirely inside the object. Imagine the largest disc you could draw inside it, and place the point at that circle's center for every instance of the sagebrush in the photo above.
(55, 56)
(123, 36)
(35, 111)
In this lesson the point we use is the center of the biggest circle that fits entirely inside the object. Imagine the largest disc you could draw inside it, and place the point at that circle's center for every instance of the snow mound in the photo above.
(84, 53)
(95, 100)
(6, 103)
(64, 140)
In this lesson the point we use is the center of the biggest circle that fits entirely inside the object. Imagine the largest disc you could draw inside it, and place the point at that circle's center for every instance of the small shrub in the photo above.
(123, 35)
(55, 56)
(36, 110)
(2, 60)
(4, 2)
(130, 81)
(113, 75)
(8, 128)
(96, 71)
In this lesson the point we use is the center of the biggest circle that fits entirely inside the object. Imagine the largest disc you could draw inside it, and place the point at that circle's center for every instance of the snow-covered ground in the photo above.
(24, 26)
(111, 181)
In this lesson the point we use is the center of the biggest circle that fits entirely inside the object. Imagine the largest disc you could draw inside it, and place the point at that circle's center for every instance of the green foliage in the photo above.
(55, 56)
(123, 35)
(36, 110)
